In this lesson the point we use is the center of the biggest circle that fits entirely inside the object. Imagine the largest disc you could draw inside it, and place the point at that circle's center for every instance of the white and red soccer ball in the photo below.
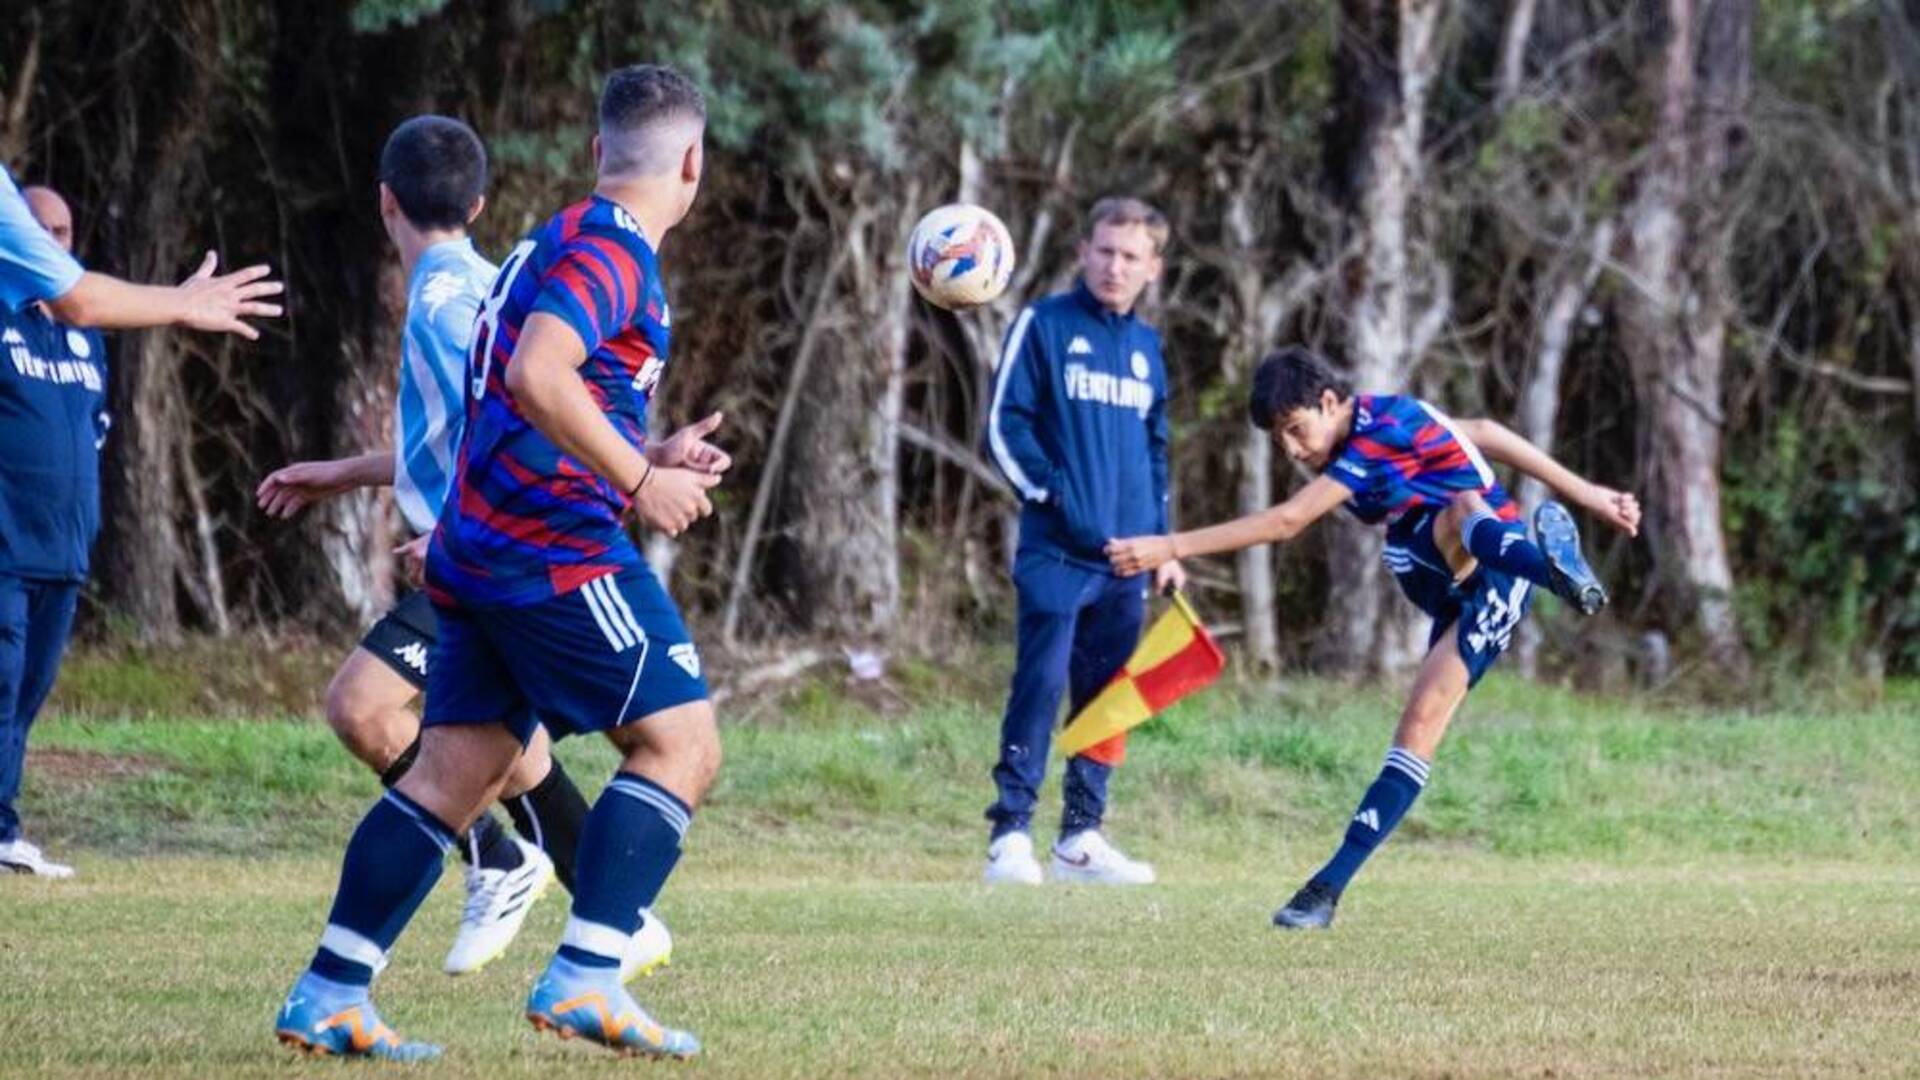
(960, 256)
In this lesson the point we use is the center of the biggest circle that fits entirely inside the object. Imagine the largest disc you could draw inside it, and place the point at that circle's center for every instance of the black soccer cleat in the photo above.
(1559, 540)
(1310, 909)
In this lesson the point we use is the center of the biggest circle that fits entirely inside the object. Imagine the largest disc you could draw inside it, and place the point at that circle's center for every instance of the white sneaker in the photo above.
(497, 903)
(23, 856)
(1010, 861)
(650, 949)
(1087, 857)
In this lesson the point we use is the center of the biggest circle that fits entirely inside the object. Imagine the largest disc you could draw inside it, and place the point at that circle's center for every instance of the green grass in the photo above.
(1587, 889)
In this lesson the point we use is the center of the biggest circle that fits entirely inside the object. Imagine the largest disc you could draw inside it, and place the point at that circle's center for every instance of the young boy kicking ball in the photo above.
(1455, 544)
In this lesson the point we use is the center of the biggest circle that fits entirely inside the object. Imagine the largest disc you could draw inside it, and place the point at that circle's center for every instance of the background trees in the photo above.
(1675, 239)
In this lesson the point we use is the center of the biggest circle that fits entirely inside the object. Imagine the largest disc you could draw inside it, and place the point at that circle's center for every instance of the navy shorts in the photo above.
(611, 651)
(1486, 607)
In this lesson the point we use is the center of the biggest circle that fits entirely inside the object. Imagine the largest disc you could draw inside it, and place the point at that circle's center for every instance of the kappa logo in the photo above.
(686, 656)
(1140, 368)
(414, 655)
(626, 221)
(440, 287)
(1369, 817)
(1079, 346)
(649, 376)
(1363, 417)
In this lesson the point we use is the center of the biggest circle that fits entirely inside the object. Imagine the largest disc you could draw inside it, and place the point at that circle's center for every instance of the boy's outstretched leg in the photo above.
(629, 847)
(392, 861)
(1437, 693)
(1551, 558)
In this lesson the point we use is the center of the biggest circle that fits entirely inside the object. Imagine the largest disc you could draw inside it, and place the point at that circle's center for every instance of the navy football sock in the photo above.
(392, 861)
(552, 816)
(1386, 802)
(488, 846)
(628, 848)
(1506, 547)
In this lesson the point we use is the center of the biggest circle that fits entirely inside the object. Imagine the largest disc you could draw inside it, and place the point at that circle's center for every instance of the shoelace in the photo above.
(482, 887)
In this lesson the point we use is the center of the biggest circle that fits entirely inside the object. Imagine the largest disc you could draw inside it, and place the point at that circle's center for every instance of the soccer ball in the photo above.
(961, 256)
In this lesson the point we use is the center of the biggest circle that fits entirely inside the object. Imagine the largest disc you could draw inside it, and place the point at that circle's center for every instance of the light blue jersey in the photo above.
(32, 266)
(449, 283)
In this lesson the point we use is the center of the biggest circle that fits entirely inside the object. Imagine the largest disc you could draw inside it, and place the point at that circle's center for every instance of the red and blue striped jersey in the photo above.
(1403, 455)
(527, 521)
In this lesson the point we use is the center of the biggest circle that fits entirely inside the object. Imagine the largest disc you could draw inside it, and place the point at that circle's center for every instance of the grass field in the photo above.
(1588, 889)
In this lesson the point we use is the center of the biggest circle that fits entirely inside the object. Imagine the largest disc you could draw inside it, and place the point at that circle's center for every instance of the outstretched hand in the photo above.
(1139, 554)
(1619, 509)
(689, 449)
(218, 304)
(288, 490)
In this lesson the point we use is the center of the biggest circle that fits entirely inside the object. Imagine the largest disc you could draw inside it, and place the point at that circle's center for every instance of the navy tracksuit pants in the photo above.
(35, 619)
(1077, 628)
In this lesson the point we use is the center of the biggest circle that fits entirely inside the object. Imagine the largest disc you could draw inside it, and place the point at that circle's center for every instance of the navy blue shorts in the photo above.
(611, 651)
(1487, 606)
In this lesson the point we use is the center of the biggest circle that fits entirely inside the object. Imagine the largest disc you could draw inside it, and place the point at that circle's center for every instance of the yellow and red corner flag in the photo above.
(1175, 658)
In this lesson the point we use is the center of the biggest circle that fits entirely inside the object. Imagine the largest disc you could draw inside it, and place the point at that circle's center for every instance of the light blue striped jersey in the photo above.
(449, 283)
(32, 266)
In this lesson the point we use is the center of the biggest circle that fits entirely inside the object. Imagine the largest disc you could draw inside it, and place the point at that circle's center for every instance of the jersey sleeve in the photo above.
(596, 285)
(1019, 387)
(32, 266)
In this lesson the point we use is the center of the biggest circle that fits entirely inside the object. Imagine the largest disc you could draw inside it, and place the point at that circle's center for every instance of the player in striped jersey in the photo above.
(1455, 545)
(548, 615)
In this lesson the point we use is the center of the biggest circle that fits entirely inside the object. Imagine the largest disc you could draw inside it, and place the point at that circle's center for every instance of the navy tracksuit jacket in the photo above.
(53, 420)
(1078, 425)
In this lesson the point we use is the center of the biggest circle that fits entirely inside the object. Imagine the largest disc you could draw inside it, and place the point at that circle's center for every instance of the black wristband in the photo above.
(644, 477)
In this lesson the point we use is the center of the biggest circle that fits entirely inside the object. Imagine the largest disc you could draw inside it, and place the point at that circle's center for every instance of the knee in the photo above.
(352, 714)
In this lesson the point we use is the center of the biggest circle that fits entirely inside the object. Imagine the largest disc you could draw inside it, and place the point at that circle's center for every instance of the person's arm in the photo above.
(1500, 443)
(290, 489)
(1014, 414)
(202, 302)
(1168, 575)
(544, 379)
(1274, 525)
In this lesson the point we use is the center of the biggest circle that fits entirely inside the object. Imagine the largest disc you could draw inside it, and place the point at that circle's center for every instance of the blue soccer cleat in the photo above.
(331, 1024)
(1559, 540)
(571, 1001)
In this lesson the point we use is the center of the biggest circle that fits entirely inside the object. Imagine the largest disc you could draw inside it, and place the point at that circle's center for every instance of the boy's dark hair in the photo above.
(437, 169)
(640, 94)
(1288, 379)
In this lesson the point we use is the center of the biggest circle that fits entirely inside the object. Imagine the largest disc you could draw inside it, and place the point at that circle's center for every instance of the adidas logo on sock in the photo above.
(1369, 817)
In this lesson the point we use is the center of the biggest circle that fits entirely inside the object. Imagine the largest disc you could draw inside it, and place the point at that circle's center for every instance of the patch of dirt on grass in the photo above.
(88, 766)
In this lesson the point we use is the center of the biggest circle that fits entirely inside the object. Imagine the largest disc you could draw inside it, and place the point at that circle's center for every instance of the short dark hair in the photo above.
(437, 169)
(1288, 379)
(640, 94)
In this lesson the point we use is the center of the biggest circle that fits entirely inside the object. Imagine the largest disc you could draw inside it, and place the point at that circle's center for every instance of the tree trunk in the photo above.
(845, 484)
(1673, 318)
(1396, 293)
(154, 185)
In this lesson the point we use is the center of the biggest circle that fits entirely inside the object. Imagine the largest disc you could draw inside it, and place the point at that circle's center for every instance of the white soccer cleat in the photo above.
(1010, 861)
(1087, 857)
(23, 856)
(650, 948)
(497, 905)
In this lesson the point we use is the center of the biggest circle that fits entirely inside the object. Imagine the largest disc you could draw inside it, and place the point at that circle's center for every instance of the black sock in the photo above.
(552, 815)
(486, 844)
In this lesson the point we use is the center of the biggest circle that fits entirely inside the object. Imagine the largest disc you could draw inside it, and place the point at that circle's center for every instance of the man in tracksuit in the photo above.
(1078, 425)
(53, 418)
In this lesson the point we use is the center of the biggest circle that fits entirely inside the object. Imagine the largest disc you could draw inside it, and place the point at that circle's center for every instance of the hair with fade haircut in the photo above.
(437, 169)
(636, 105)
(1288, 379)
(1126, 210)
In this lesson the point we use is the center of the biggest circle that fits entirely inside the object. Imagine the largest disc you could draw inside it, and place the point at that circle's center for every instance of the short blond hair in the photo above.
(1127, 210)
